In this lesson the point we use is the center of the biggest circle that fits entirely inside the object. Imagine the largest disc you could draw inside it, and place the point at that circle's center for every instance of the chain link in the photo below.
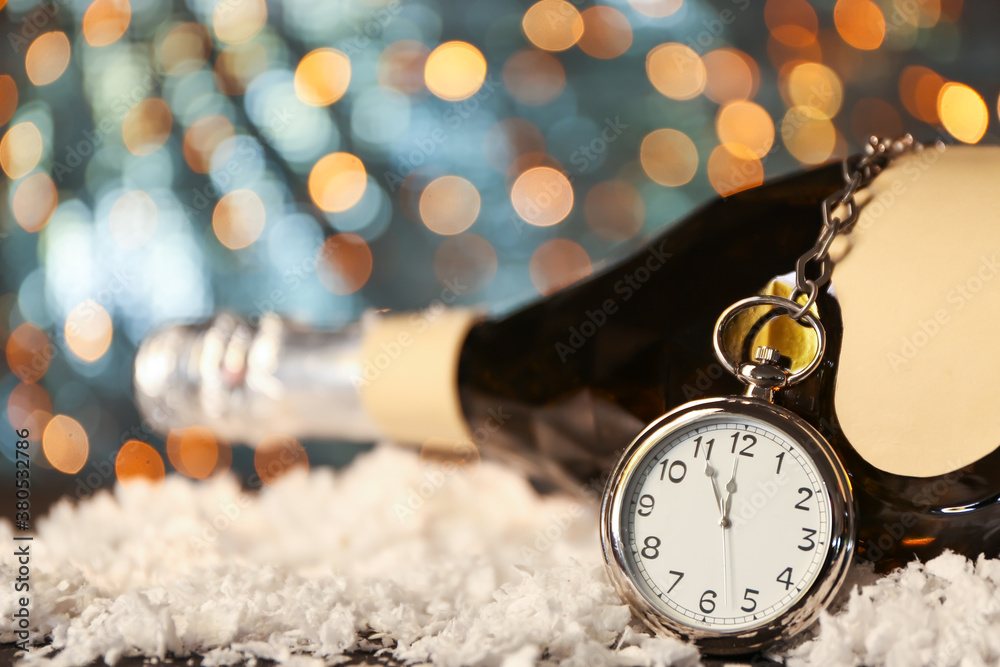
(878, 153)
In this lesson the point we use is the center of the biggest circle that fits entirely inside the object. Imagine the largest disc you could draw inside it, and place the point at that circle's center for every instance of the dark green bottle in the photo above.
(584, 371)
(560, 387)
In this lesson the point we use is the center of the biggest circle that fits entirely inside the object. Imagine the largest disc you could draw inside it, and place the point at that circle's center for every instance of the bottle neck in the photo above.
(245, 381)
(388, 376)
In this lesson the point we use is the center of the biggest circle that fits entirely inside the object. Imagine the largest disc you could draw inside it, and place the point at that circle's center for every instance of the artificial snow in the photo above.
(452, 566)
(942, 613)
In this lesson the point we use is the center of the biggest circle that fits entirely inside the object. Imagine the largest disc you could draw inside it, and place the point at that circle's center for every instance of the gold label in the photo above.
(917, 389)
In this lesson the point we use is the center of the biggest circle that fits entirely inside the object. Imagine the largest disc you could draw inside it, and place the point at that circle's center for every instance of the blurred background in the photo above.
(166, 159)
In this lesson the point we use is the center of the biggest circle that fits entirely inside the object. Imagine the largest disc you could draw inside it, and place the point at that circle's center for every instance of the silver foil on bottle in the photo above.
(245, 382)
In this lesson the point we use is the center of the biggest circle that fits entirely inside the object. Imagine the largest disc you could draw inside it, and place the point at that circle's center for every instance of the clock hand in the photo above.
(730, 490)
(725, 523)
(710, 472)
(725, 567)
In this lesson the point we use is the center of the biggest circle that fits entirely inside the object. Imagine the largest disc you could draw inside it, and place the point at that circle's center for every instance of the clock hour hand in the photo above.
(711, 473)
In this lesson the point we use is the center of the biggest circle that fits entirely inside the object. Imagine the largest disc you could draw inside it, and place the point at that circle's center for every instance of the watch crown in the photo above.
(767, 355)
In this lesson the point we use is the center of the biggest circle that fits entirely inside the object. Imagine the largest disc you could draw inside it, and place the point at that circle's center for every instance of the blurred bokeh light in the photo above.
(455, 71)
(47, 58)
(553, 25)
(65, 444)
(137, 460)
(197, 453)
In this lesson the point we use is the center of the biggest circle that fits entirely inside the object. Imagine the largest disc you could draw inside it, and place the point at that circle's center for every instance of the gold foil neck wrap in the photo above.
(752, 328)
(409, 380)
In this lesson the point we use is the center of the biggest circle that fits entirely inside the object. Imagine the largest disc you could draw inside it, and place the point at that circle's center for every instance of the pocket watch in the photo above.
(730, 521)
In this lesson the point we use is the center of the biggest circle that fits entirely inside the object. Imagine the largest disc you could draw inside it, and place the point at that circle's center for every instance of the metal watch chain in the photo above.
(857, 174)
(877, 155)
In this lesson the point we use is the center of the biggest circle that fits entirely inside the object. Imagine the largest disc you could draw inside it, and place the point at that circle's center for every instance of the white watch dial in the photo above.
(725, 523)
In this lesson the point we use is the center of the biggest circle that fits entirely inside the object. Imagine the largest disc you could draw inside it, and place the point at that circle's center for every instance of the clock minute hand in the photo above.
(710, 472)
(730, 490)
(726, 523)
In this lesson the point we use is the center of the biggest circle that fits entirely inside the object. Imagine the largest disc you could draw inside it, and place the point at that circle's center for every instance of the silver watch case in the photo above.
(833, 572)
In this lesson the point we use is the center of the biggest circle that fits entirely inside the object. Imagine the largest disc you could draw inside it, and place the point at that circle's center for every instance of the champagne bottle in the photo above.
(561, 386)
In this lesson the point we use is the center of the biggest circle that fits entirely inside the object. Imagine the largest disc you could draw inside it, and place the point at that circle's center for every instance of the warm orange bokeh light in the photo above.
(138, 461)
(534, 77)
(676, 71)
(951, 10)
(449, 205)
(558, 263)
(344, 263)
(133, 219)
(322, 77)
(276, 456)
(860, 23)
(337, 182)
(963, 112)
(919, 88)
(731, 75)
(606, 32)
(466, 259)
(203, 138)
(747, 124)
(401, 66)
(146, 126)
(614, 210)
(455, 71)
(88, 330)
(553, 25)
(184, 49)
(734, 168)
(8, 98)
(669, 157)
(65, 444)
(808, 135)
(30, 407)
(817, 86)
(196, 452)
(34, 201)
(20, 150)
(791, 22)
(105, 21)
(28, 352)
(238, 21)
(542, 196)
(47, 58)
(238, 219)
